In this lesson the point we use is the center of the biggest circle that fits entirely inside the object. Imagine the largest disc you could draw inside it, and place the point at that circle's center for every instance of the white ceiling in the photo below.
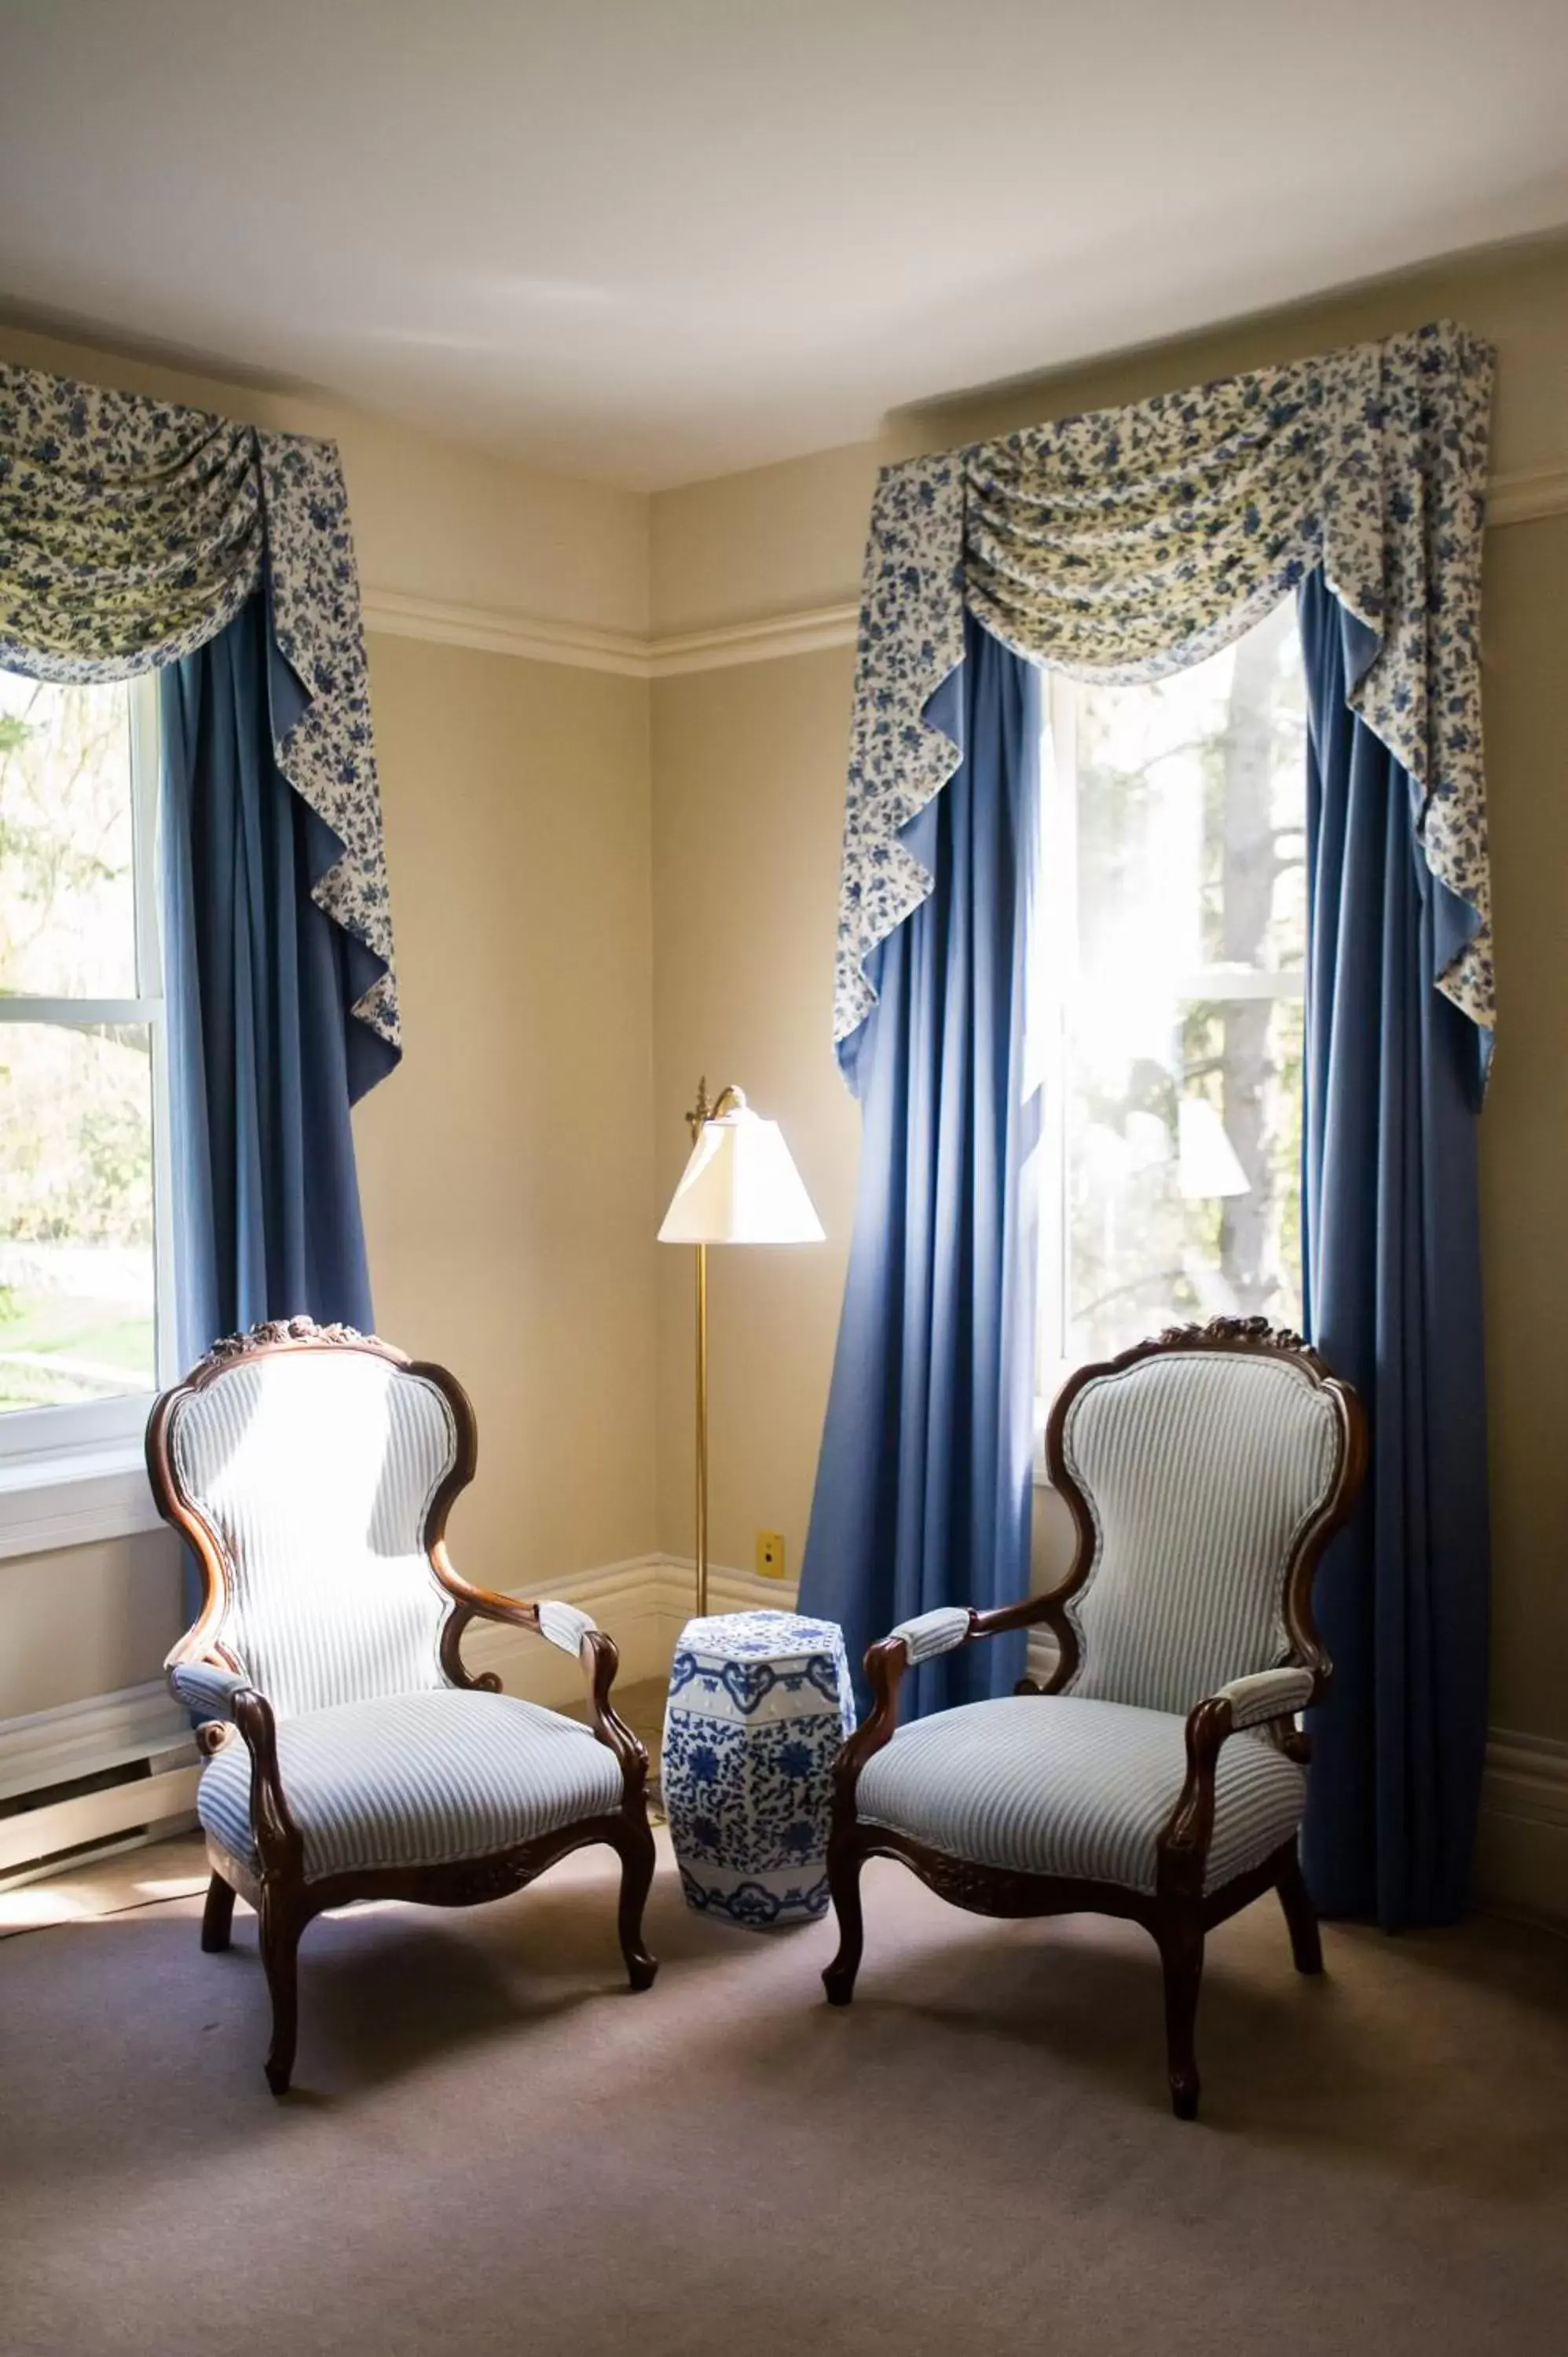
(656, 240)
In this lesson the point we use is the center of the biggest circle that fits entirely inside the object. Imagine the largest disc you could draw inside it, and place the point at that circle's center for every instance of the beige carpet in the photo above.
(110, 1885)
(492, 2147)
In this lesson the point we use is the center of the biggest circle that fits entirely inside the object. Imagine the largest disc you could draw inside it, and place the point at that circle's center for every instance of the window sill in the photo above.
(72, 1497)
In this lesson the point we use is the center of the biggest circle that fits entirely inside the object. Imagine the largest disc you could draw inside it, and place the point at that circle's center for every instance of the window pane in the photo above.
(1182, 850)
(1190, 813)
(1183, 1170)
(67, 892)
(76, 1213)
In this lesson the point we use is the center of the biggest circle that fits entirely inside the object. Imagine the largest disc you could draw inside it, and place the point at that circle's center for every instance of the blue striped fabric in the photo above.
(207, 1691)
(1048, 1784)
(318, 1469)
(936, 1632)
(418, 1780)
(1268, 1694)
(1200, 1470)
(564, 1624)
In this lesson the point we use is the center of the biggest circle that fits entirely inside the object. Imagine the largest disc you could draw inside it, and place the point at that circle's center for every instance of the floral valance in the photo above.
(133, 531)
(1126, 543)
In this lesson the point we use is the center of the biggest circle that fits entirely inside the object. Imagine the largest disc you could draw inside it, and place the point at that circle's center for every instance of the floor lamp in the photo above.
(739, 1187)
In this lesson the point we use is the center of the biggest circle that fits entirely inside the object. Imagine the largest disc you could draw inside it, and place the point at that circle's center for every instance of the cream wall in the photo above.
(506, 1166)
(86, 1620)
(779, 539)
(747, 797)
(506, 1169)
(748, 768)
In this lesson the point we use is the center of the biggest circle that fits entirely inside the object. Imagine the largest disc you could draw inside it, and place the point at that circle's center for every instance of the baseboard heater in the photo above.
(93, 1776)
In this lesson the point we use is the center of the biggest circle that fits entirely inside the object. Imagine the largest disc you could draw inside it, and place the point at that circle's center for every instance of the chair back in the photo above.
(1205, 1472)
(309, 1467)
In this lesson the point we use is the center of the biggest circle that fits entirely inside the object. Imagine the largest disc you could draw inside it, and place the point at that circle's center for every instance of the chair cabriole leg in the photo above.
(1180, 1936)
(1300, 1914)
(845, 1862)
(282, 1922)
(637, 1860)
(216, 1916)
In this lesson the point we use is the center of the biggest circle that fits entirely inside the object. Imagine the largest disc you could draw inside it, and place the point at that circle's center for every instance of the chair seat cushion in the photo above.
(417, 1779)
(1052, 1784)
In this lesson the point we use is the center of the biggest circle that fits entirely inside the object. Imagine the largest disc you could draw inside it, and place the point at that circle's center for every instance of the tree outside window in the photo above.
(81, 1048)
(1170, 998)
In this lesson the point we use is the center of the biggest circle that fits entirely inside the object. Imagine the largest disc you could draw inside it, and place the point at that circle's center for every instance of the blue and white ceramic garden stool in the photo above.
(759, 1702)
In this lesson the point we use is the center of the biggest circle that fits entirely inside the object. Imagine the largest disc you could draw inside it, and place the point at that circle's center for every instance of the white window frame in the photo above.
(1052, 983)
(74, 1473)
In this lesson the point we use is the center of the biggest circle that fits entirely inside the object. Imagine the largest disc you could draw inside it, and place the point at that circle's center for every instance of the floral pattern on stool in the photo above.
(759, 1702)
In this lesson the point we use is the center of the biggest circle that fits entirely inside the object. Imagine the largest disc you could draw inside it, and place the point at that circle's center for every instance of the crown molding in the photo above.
(1523, 497)
(803, 633)
(495, 631)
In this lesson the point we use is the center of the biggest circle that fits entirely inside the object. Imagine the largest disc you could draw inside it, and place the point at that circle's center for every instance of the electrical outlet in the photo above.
(770, 1555)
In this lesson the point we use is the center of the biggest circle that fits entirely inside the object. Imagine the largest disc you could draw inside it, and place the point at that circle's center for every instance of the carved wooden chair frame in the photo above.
(285, 1903)
(1179, 1912)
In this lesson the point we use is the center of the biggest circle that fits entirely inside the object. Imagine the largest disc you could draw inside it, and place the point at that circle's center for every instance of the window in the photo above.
(84, 1198)
(1169, 998)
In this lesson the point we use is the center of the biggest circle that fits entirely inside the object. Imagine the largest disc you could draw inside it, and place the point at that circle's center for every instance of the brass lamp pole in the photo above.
(738, 1187)
(729, 1099)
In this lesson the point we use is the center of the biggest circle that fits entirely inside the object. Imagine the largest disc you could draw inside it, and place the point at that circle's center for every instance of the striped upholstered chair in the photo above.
(350, 1755)
(1160, 1772)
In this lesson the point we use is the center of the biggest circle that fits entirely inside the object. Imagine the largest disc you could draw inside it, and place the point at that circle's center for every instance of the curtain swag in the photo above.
(133, 531)
(1126, 543)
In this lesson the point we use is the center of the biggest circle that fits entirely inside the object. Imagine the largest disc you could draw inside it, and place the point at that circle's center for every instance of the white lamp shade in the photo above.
(1207, 1162)
(740, 1187)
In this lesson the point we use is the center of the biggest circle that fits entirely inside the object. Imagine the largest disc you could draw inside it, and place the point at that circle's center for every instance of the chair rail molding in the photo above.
(1523, 496)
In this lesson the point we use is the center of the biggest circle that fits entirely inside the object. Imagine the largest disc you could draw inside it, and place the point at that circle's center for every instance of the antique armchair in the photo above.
(1160, 1773)
(348, 1754)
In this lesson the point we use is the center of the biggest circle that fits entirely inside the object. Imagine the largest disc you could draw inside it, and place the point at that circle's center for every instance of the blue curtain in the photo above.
(923, 1485)
(264, 1057)
(1391, 1250)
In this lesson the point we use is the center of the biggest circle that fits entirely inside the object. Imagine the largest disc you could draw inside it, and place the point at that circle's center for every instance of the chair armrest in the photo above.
(1269, 1694)
(564, 1624)
(1182, 1846)
(219, 1697)
(933, 1632)
(560, 1624)
(940, 1631)
(207, 1689)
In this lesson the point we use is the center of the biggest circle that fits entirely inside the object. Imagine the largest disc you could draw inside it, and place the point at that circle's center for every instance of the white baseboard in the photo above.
(1521, 1860)
(729, 1591)
(141, 1726)
(87, 1738)
(1521, 1839)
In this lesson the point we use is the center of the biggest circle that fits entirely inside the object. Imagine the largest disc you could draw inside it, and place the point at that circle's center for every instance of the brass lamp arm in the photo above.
(729, 1099)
